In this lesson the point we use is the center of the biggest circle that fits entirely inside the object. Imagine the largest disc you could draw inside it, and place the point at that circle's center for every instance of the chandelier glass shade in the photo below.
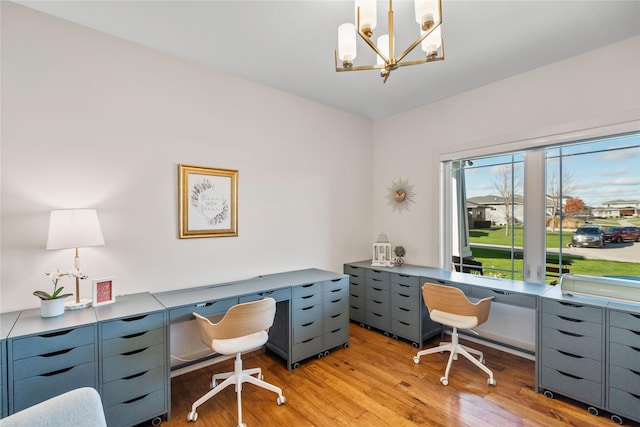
(428, 15)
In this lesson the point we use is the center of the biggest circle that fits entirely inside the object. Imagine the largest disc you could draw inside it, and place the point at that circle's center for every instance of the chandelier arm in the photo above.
(373, 46)
(362, 67)
(420, 61)
(418, 41)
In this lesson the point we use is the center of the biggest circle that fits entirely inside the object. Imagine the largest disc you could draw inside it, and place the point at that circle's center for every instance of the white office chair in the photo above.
(449, 305)
(243, 328)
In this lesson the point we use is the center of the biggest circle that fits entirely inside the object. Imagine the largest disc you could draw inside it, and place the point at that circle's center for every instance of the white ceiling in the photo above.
(289, 44)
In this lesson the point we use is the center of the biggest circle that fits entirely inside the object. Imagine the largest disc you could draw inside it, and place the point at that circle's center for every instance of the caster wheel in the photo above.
(260, 376)
(296, 365)
(416, 359)
(616, 419)
(414, 345)
(156, 421)
(242, 425)
(386, 334)
(320, 355)
(345, 345)
(395, 337)
(548, 394)
(213, 384)
(592, 410)
(326, 353)
(192, 416)
(444, 381)
(281, 400)
(491, 381)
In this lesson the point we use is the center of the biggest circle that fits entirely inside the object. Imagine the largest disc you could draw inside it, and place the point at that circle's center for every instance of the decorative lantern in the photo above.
(382, 252)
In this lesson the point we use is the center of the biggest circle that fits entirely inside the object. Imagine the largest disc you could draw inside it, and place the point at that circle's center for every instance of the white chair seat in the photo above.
(457, 320)
(240, 344)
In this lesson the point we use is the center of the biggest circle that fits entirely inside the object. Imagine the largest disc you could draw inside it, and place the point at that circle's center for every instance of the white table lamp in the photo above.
(74, 228)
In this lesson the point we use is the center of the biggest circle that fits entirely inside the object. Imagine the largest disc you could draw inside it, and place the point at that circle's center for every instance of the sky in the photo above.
(596, 172)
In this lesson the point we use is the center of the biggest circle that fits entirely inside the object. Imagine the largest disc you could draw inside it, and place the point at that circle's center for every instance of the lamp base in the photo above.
(73, 305)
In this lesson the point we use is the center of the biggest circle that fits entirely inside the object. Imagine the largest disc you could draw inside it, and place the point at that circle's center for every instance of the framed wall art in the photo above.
(103, 291)
(208, 201)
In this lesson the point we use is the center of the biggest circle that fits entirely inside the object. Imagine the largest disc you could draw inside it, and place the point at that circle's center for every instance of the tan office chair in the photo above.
(244, 327)
(450, 306)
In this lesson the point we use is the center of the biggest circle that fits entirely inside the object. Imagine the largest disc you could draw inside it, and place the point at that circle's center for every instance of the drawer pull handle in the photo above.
(575, 356)
(308, 285)
(376, 314)
(134, 319)
(568, 319)
(404, 296)
(495, 291)
(336, 280)
(308, 308)
(205, 304)
(403, 285)
(377, 302)
(58, 372)
(56, 353)
(635, 372)
(404, 323)
(139, 334)
(130, 353)
(376, 271)
(635, 332)
(130, 377)
(336, 300)
(56, 334)
(308, 296)
(336, 290)
(568, 304)
(335, 330)
(135, 399)
(571, 334)
(404, 309)
(442, 282)
(377, 289)
(569, 375)
(336, 315)
(307, 324)
(404, 275)
(306, 341)
(637, 316)
(634, 348)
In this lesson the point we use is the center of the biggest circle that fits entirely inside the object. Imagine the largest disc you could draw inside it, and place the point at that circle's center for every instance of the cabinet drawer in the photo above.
(572, 310)
(404, 279)
(336, 293)
(625, 379)
(578, 345)
(51, 342)
(332, 285)
(354, 271)
(136, 410)
(405, 330)
(131, 325)
(357, 314)
(379, 321)
(378, 307)
(374, 283)
(625, 356)
(506, 297)
(377, 275)
(406, 302)
(306, 331)
(132, 342)
(305, 349)
(573, 326)
(356, 289)
(404, 315)
(407, 290)
(336, 337)
(335, 321)
(206, 309)
(569, 363)
(307, 314)
(133, 386)
(307, 301)
(625, 336)
(50, 363)
(360, 280)
(36, 389)
(307, 290)
(335, 307)
(124, 365)
(624, 403)
(625, 320)
(378, 296)
(578, 388)
(282, 294)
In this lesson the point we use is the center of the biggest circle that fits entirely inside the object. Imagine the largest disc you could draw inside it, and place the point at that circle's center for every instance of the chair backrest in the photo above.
(240, 320)
(449, 299)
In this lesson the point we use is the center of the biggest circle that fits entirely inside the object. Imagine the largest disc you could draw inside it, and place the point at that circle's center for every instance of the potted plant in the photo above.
(52, 304)
(399, 252)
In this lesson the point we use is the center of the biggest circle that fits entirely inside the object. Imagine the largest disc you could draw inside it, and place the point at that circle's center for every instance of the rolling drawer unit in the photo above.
(623, 378)
(378, 300)
(336, 313)
(133, 360)
(60, 357)
(571, 353)
(357, 293)
(409, 316)
(307, 328)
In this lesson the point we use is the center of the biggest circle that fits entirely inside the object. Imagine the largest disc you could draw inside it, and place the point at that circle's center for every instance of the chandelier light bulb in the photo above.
(347, 44)
(427, 13)
(432, 42)
(368, 15)
(383, 45)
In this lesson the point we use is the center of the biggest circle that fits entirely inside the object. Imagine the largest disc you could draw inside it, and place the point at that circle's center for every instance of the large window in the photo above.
(585, 204)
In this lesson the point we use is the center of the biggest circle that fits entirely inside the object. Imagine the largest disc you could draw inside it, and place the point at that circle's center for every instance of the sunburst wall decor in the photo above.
(400, 195)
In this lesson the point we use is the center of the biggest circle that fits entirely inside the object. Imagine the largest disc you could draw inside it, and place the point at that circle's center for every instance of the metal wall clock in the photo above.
(400, 195)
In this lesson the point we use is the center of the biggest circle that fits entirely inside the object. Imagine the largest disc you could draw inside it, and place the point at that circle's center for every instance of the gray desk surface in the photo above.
(128, 305)
(516, 286)
(7, 320)
(182, 297)
(31, 322)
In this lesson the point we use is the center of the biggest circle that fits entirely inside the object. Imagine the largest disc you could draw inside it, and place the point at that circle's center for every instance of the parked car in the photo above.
(588, 235)
(622, 234)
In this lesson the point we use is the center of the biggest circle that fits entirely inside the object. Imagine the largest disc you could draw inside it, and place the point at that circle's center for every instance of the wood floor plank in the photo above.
(375, 382)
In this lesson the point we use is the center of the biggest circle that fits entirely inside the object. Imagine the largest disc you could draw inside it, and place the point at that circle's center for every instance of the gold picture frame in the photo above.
(208, 201)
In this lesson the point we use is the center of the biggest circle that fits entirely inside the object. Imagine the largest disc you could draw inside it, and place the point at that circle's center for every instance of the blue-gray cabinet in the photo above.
(7, 320)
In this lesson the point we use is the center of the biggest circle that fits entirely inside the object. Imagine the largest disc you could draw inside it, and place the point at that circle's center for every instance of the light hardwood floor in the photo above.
(374, 382)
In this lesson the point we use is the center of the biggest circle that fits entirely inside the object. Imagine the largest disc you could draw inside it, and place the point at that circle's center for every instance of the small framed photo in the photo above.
(103, 291)
(208, 201)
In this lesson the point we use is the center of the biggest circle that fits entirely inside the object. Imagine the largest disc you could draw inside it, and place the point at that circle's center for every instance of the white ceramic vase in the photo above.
(52, 307)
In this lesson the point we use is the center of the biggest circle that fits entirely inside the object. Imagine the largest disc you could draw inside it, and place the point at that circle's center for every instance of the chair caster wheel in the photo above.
(192, 416)
(281, 400)
(491, 381)
(260, 377)
(416, 359)
(444, 381)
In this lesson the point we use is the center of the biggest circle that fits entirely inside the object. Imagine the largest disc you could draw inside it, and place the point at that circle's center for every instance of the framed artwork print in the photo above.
(103, 291)
(208, 201)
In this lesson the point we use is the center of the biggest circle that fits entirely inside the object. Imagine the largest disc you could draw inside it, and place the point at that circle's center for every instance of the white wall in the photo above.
(89, 120)
(594, 89)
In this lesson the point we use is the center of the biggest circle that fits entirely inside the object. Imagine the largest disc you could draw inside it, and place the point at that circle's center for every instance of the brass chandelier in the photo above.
(429, 18)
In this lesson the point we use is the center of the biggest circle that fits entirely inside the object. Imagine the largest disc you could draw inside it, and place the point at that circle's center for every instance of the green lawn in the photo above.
(497, 262)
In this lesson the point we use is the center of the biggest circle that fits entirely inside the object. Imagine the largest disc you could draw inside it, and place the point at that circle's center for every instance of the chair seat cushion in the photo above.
(450, 319)
(240, 344)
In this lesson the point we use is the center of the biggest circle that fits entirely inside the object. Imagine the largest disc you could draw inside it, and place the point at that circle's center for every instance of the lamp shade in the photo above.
(74, 228)
(427, 11)
(368, 14)
(347, 42)
(433, 41)
(383, 45)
